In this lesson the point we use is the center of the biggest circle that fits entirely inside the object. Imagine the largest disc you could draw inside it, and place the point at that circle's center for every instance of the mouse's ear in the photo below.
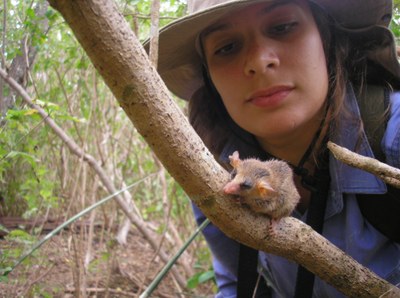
(265, 189)
(234, 159)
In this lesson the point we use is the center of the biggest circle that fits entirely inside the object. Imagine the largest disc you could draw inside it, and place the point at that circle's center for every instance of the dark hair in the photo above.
(345, 62)
(208, 116)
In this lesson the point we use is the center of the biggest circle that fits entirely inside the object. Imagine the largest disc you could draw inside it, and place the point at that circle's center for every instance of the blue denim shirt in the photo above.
(344, 224)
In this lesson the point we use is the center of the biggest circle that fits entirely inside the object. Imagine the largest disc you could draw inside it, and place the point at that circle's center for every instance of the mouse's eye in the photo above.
(260, 173)
(233, 174)
(246, 185)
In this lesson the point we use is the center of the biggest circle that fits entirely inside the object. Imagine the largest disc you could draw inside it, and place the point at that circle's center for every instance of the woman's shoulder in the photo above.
(395, 98)
(391, 139)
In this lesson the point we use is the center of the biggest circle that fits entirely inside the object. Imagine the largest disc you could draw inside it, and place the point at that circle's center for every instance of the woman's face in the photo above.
(268, 64)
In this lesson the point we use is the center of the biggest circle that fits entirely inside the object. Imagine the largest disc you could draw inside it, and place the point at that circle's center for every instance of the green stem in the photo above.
(153, 285)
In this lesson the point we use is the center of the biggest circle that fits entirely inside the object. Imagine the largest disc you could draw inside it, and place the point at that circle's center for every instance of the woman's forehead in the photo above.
(260, 9)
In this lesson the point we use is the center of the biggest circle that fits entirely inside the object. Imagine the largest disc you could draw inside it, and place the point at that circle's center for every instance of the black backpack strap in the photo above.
(319, 187)
(382, 211)
(247, 271)
(250, 283)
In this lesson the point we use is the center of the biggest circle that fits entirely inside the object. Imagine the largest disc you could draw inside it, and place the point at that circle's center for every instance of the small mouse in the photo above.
(266, 187)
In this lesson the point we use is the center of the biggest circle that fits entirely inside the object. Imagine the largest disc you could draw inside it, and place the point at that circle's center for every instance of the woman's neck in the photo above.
(292, 147)
(306, 139)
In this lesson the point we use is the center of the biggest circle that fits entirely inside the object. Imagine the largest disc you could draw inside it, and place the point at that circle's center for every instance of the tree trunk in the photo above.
(122, 62)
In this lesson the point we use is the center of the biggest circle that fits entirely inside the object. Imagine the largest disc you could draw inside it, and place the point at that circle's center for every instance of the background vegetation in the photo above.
(43, 183)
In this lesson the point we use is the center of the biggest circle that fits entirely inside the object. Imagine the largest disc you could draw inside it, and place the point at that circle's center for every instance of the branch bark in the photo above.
(122, 62)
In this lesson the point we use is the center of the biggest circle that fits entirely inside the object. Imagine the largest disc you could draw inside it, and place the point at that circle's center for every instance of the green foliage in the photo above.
(204, 271)
(96, 264)
(38, 291)
(24, 180)
(20, 241)
(24, 183)
(140, 10)
(4, 279)
(201, 277)
(396, 5)
(395, 24)
(20, 236)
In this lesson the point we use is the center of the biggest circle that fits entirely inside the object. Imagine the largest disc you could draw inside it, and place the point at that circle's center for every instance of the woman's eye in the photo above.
(282, 29)
(226, 49)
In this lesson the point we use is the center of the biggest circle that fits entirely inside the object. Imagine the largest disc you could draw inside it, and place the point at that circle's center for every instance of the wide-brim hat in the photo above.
(180, 65)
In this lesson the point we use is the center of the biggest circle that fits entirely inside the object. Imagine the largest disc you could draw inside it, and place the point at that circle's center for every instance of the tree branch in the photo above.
(122, 62)
(387, 173)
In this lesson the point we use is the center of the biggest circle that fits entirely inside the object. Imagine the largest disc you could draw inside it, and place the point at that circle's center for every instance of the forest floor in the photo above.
(56, 269)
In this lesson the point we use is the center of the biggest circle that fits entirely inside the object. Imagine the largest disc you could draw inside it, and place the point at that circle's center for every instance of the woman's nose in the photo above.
(260, 58)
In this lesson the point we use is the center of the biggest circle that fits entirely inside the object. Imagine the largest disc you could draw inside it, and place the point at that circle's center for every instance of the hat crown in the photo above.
(349, 13)
(199, 5)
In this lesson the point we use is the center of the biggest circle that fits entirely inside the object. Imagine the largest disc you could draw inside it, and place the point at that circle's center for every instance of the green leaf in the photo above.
(199, 278)
(29, 158)
(3, 274)
(19, 235)
(15, 114)
(30, 12)
(193, 282)
(206, 276)
(30, 112)
(47, 104)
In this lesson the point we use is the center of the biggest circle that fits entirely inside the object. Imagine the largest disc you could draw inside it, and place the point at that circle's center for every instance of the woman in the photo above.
(279, 79)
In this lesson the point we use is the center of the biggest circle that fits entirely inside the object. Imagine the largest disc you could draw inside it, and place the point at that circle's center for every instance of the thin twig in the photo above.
(387, 173)
(37, 279)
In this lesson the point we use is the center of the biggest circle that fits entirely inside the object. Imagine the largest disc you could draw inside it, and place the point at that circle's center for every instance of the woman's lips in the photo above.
(270, 97)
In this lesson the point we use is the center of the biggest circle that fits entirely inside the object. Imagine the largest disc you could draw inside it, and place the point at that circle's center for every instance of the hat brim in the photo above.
(180, 65)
